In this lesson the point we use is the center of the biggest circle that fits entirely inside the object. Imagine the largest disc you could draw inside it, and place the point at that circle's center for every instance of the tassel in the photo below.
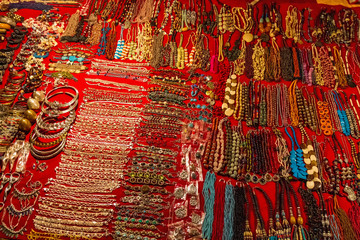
(348, 231)
(279, 228)
(286, 227)
(354, 213)
(111, 43)
(272, 231)
(248, 235)
(214, 64)
(302, 233)
(260, 231)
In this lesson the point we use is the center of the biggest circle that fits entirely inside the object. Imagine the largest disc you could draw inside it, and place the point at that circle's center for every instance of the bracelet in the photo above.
(69, 233)
(45, 155)
(5, 26)
(72, 207)
(76, 202)
(50, 136)
(33, 140)
(104, 155)
(57, 125)
(56, 104)
(54, 111)
(72, 222)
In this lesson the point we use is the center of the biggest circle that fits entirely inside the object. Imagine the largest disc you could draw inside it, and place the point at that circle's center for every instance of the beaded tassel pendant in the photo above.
(311, 165)
(279, 229)
(103, 42)
(248, 235)
(344, 121)
(125, 51)
(286, 226)
(119, 49)
(296, 158)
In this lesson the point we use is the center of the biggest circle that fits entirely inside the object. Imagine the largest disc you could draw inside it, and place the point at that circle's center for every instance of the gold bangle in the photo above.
(4, 26)
(7, 20)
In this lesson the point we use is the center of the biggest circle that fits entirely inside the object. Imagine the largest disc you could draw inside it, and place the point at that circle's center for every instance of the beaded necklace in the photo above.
(317, 64)
(258, 61)
(209, 199)
(296, 157)
(260, 224)
(354, 130)
(293, 105)
(344, 122)
(240, 211)
(348, 75)
(324, 114)
(286, 63)
(282, 154)
(278, 226)
(313, 181)
(247, 233)
(229, 207)
(220, 147)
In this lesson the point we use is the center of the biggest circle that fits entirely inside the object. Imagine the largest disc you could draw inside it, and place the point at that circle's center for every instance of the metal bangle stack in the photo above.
(48, 138)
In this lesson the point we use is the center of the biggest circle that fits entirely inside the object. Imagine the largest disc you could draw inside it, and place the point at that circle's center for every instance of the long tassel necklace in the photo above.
(302, 234)
(335, 226)
(260, 225)
(248, 235)
(354, 213)
(218, 223)
(326, 233)
(344, 220)
(278, 226)
(272, 231)
(111, 43)
(285, 222)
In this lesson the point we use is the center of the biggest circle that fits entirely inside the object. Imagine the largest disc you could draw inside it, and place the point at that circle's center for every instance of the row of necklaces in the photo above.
(262, 156)
(278, 106)
(255, 52)
(228, 213)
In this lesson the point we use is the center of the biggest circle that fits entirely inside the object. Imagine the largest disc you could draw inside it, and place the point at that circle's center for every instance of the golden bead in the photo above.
(24, 125)
(292, 220)
(30, 115)
(300, 220)
(32, 103)
(39, 96)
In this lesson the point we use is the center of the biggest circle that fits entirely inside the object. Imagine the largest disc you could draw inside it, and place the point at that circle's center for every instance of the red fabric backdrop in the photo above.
(80, 85)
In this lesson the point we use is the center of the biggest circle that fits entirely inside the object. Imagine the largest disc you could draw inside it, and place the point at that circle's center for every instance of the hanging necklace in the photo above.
(324, 114)
(302, 24)
(272, 231)
(180, 63)
(278, 226)
(248, 235)
(296, 157)
(265, 19)
(313, 181)
(260, 225)
(258, 58)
